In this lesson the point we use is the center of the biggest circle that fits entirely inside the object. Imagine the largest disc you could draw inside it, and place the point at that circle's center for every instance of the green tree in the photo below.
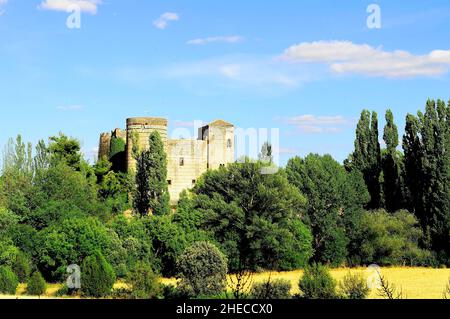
(317, 283)
(391, 239)
(8, 281)
(255, 218)
(202, 270)
(391, 167)
(335, 202)
(271, 290)
(144, 282)
(425, 144)
(117, 154)
(151, 194)
(97, 276)
(65, 149)
(36, 285)
(354, 286)
(22, 267)
(367, 156)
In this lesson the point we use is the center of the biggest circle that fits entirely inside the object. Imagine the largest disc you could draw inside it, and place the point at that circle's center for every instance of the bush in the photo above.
(271, 289)
(22, 267)
(354, 286)
(36, 285)
(392, 239)
(97, 276)
(8, 281)
(202, 270)
(144, 282)
(317, 283)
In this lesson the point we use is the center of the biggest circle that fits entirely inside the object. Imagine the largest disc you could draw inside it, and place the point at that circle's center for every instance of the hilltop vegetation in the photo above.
(382, 206)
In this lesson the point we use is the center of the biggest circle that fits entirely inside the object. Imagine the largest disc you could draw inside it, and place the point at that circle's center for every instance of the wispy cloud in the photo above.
(311, 124)
(346, 57)
(224, 39)
(163, 21)
(70, 108)
(2, 4)
(89, 6)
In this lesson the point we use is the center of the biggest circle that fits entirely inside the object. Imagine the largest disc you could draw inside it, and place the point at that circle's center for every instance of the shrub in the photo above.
(144, 282)
(22, 267)
(97, 276)
(36, 285)
(8, 281)
(354, 286)
(202, 270)
(317, 283)
(271, 289)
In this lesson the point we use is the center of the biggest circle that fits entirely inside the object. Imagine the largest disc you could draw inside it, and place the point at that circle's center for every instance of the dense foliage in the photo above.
(271, 289)
(202, 270)
(98, 276)
(317, 283)
(387, 206)
(36, 285)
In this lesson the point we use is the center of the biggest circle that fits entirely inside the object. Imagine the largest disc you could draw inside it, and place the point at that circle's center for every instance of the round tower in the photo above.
(139, 129)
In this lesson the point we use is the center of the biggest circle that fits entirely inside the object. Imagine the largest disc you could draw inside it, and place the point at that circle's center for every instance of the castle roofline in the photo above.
(220, 123)
(147, 121)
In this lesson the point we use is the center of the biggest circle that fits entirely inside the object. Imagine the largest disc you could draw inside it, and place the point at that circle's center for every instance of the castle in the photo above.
(187, 159)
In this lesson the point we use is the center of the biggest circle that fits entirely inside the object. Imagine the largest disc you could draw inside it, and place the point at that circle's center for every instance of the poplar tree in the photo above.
(367, 156)
(391, 166)
(426, 147)
(151, 194)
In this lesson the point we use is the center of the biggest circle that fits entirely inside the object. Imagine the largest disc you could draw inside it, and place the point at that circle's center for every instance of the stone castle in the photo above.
(187, 159)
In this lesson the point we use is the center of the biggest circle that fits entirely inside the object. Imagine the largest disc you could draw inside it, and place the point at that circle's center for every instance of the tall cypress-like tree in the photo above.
(426, 147)
(391, 166)
(367, 156)
(151, 194)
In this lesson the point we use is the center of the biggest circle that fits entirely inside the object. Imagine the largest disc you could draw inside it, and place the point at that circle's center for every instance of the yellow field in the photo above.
(416, 283)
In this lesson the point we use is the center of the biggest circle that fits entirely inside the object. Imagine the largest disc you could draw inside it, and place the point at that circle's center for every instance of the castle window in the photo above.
(193, 182)
(169, 182)
(229, 143)
(181, 161)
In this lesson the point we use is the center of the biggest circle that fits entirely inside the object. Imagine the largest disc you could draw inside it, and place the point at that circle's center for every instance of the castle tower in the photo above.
(220, 143)
(141, 128)
(104, 145)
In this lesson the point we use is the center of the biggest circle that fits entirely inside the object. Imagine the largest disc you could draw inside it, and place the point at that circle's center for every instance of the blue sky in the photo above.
(305, 67)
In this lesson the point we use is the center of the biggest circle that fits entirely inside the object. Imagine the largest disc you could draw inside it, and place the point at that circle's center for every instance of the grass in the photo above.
(416, 283)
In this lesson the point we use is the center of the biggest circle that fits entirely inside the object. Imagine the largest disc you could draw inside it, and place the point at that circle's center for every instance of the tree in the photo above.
(367, 156)
(391, 239)
(71, 241)
(8, 281)
(354, 286)
(117, 154)
(22, 267)
(317, 283)
(65, 149)
(255, 218)
(151, 194)
(266, 153)
(36, 285)
(335, 202)
(144, 282)
(391, 167)
(426, 147)
(97, 276)
(202, 270)
(271, 290)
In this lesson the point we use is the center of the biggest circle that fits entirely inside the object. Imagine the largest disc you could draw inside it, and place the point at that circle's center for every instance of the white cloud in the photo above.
(2, 3)
(163, 21)
(311, 124)
(89, 6)
(230, 70)
(226, 39)
(346, 57)
(67, 108)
